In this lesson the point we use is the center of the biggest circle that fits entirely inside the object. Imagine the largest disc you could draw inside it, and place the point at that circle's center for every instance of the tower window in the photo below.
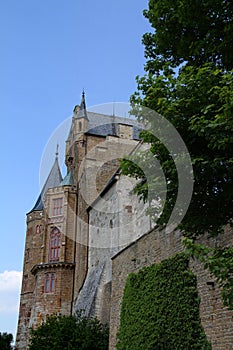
(25, 283)
(55, 245)
(38, 229)
(27, 254)
(50, 282)
(79, 126)
(57, 206)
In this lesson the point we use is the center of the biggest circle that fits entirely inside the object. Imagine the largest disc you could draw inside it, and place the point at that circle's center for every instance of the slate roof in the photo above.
(104, 125)
(68, 180)
(54, 179)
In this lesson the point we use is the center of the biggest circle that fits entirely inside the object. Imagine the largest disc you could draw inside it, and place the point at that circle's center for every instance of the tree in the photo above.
(195, 38)
(68, 332)
(5, 341)
(196, 31)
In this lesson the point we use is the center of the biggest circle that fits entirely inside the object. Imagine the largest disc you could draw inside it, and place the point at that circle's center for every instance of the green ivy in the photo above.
(160, 309)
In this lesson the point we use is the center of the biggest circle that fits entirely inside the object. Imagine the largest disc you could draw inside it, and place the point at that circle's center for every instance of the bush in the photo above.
(69, 332)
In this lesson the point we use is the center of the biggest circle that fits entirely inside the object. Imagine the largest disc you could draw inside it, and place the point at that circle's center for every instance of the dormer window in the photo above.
(57, 206)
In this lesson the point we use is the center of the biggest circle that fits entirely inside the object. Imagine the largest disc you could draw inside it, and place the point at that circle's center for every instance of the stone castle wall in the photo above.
(154, 247)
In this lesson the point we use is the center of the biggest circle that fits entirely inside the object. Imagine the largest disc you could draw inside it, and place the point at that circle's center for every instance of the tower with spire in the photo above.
(48, 270)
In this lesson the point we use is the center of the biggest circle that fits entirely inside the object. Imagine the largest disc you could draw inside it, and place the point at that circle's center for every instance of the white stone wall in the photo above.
(116, 219)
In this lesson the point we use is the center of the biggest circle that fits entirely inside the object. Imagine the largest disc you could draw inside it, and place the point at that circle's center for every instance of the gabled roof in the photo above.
(53, 180)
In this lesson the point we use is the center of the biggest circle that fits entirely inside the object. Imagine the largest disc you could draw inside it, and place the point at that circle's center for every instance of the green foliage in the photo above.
(198, 101)
(5, 341)
(195, 37)
(160, 309)
(189, 31)
(68, 332)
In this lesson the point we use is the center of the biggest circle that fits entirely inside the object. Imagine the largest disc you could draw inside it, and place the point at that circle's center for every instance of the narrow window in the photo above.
(47, 283)
(25, 283)
(50, 282)
(57, 207)
(55, 245)
(38, 230)
(27, 254)
(79, 126)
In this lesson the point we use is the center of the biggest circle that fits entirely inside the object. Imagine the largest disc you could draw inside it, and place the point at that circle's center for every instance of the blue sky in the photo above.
(50, 51)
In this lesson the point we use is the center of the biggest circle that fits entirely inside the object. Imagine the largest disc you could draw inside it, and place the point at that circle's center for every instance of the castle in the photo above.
(88, 231)
(60, 261)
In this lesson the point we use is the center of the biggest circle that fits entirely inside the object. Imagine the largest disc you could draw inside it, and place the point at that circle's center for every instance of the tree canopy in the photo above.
(6, 340)
(68, 332)
(196, 31)
(189, 81)
(197, 100)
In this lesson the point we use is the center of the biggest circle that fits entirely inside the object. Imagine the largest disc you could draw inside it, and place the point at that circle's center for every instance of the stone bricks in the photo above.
(155, 246)
(100, 217)
(56, 247)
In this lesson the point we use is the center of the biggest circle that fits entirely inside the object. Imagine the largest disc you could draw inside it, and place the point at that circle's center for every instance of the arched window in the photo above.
(55, 244)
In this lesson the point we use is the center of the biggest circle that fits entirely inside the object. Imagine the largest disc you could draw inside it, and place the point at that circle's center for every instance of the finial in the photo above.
(82, 113)
(57, 151)
(113, 109)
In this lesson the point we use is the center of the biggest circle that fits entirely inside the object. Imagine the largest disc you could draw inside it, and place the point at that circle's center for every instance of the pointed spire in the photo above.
(82, 113)
(53, 180)
(56, 154)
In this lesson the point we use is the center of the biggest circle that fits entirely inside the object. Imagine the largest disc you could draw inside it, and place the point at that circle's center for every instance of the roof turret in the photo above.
(53, 180)
(68, 179)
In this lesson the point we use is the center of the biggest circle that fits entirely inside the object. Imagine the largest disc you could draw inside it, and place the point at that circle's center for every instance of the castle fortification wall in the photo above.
(156, 246)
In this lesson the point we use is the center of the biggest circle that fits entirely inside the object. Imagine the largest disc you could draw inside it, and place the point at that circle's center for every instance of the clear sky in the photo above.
(50, 51)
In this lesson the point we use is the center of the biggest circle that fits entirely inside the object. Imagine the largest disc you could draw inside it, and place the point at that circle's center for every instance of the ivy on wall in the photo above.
(160, 309)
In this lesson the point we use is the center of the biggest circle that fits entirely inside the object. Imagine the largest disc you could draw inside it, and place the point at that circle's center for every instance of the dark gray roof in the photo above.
(53, 180)
(104, 125)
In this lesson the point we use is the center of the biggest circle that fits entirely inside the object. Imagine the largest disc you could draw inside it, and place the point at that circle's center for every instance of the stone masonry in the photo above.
(155, 246)
(56, 245)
